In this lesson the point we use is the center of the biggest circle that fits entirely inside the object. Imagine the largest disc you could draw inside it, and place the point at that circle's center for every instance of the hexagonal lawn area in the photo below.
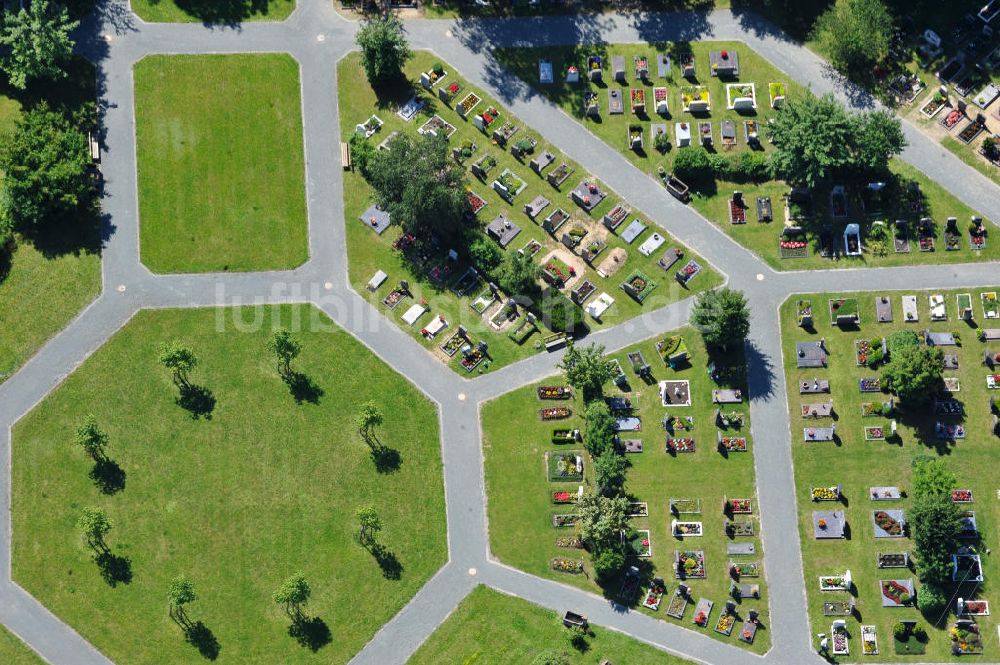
(263, 487)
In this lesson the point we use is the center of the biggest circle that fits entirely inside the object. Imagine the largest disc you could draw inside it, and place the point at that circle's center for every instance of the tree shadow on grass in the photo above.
(222, 12)
(197, 400)
(114, 569)
(386, 459)
(108, 476)
(203, 639)
(387, 560)
(310, 632)
(303, 388)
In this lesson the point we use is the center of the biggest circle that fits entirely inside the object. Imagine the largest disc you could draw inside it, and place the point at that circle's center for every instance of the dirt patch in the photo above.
(614, 262)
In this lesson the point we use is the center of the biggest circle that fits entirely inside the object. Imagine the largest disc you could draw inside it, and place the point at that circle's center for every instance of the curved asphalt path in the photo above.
(317, 37)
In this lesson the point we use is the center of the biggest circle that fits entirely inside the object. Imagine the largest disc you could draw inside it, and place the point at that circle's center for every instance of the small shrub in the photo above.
(694, 168)
(920, 633)
(900, 631)
(662, 142)
(437, 68)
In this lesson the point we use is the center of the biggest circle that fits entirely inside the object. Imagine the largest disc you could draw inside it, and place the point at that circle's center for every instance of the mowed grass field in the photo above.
(212, 11)
(858, 465)
(220, 163)
(15, 652)
(238, 502)
(520, 505)
(491, 628)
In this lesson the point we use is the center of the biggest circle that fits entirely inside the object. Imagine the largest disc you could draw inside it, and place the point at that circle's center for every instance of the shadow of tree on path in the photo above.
(760, 373)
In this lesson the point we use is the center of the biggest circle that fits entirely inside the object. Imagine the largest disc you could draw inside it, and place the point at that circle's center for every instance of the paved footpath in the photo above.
(317, 37)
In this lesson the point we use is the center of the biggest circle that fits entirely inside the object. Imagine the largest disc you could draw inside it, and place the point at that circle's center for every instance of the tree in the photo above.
(932, 601)
(94, 524)
(608, 561)
(180, 593)
(722, 316)
(369, 524)
(931, 477)
(384, 49)
(421, 188)
(855, 35)
(47, 161)
(286, 348)
(550, 657)
(914, 374)
(560, 313)
(90, 437)
(936, 524)
(900, 340)
(586, 369)
(609, 472)
(369, 418)
(811, 139)
(293, 593)
(878, 136)
(38, 37)
(486, 256)
(602, 519)
(600, 428)
(180, 360)
(518, 275)
(694, 168)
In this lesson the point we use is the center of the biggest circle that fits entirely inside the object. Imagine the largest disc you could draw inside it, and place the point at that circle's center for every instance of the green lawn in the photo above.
(460, 8)
(212, 11)
(520, 506)
(15, 652)
(858, 464)
(237, 502)
(492, 628)
(220, 160)
(370, 253)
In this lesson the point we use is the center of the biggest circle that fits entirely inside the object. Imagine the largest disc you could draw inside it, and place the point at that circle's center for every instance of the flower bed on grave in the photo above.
(571, 566)
(487, 118)
(450, 91)
(554, 392)
(843, 307)
(468, 103)
(965, 639)
(393, 298)
(871, 409)
(453, 344)
(638, 96)
(565, 435)
(776, 91)
(613, 219)
(740, 90)
(725, 624)
(505, 132)
(565, 521)
(565, 467)
(870, 385)
(564, 496)
(555, 413)
(637, 509)
(370, 126)
(892, 560)
(694, 95)
(640, 544)
(476, 202)
(834, 583)
(868, 352)
(686, 529)
(508, 185)
(437, 125)
(874, 433)
(556, 272)
(483, 166)
(739, 529)
(961, 496)
(671, 346)
(677, 605)
(569, 542)
(897, 592)
(681, 445)
(888, 522)
(685, 506)
(825, 493)
(638, 285)
(933, 106)
(472, 359)
(690, 564)
(793, 244)
(739, 569)
(653, 597)
(991, 306)
(738, 506)
(840, 643)
(976, 608)
(732, 444)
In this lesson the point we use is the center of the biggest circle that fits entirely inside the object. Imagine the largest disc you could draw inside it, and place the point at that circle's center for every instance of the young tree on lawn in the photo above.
(586, 369)
(722, 316)
(180, 593)
(38, 37)
(518, 275)
(94, 524)
(421, 187)
(286, 348)
(855, 36)
(384, 49)
(369, 524)
(812, 138)
(47, 162)
(602, 519)
(293, 593)
(90, 437)
(368, 419)
(600, 428)
(180, 360)
(914, 374)
(609, 472)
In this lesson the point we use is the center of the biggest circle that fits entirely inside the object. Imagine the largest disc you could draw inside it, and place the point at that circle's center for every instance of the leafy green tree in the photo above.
(38, 37)
(609, 472)
(932, 477)
(932, 601)
(518, 275)
(878, 136)
(586, 369)
(180, 594)
(722, 316)
(900, 340)
(602, 519)
(560, 313)
(180, 360)
(600, 434)
(293, 593)
(46, 160)
(421, 188)
(855, 35)
(486, 256)
(608, 562)
(695, 168)
(384, 49)
(286, 348)
(94, 524)
(368, 419)
(90, 437)
(935, 523)
(369, 524)
(812, 138)
(914, 374)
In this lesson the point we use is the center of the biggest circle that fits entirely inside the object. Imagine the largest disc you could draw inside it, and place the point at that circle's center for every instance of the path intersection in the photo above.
(317, 37)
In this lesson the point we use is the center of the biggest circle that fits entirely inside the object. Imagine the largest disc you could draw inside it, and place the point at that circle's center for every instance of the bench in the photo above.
(345, 155)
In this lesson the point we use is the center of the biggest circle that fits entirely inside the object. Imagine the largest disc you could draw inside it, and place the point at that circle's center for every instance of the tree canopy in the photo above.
(286, 348)
(90, 437)
(38, 37)
(609, 472)
(180, 360)
(179, 594)
(369, 524)
(94, 524)
(293, 593)
(602, 519)
(384, 49)
(914, 373)
(722, 316)
(421, 188)
(586, 369)
(816, 138)
(517, 274)
(600, 434)
(855, 35)
(936, 524)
